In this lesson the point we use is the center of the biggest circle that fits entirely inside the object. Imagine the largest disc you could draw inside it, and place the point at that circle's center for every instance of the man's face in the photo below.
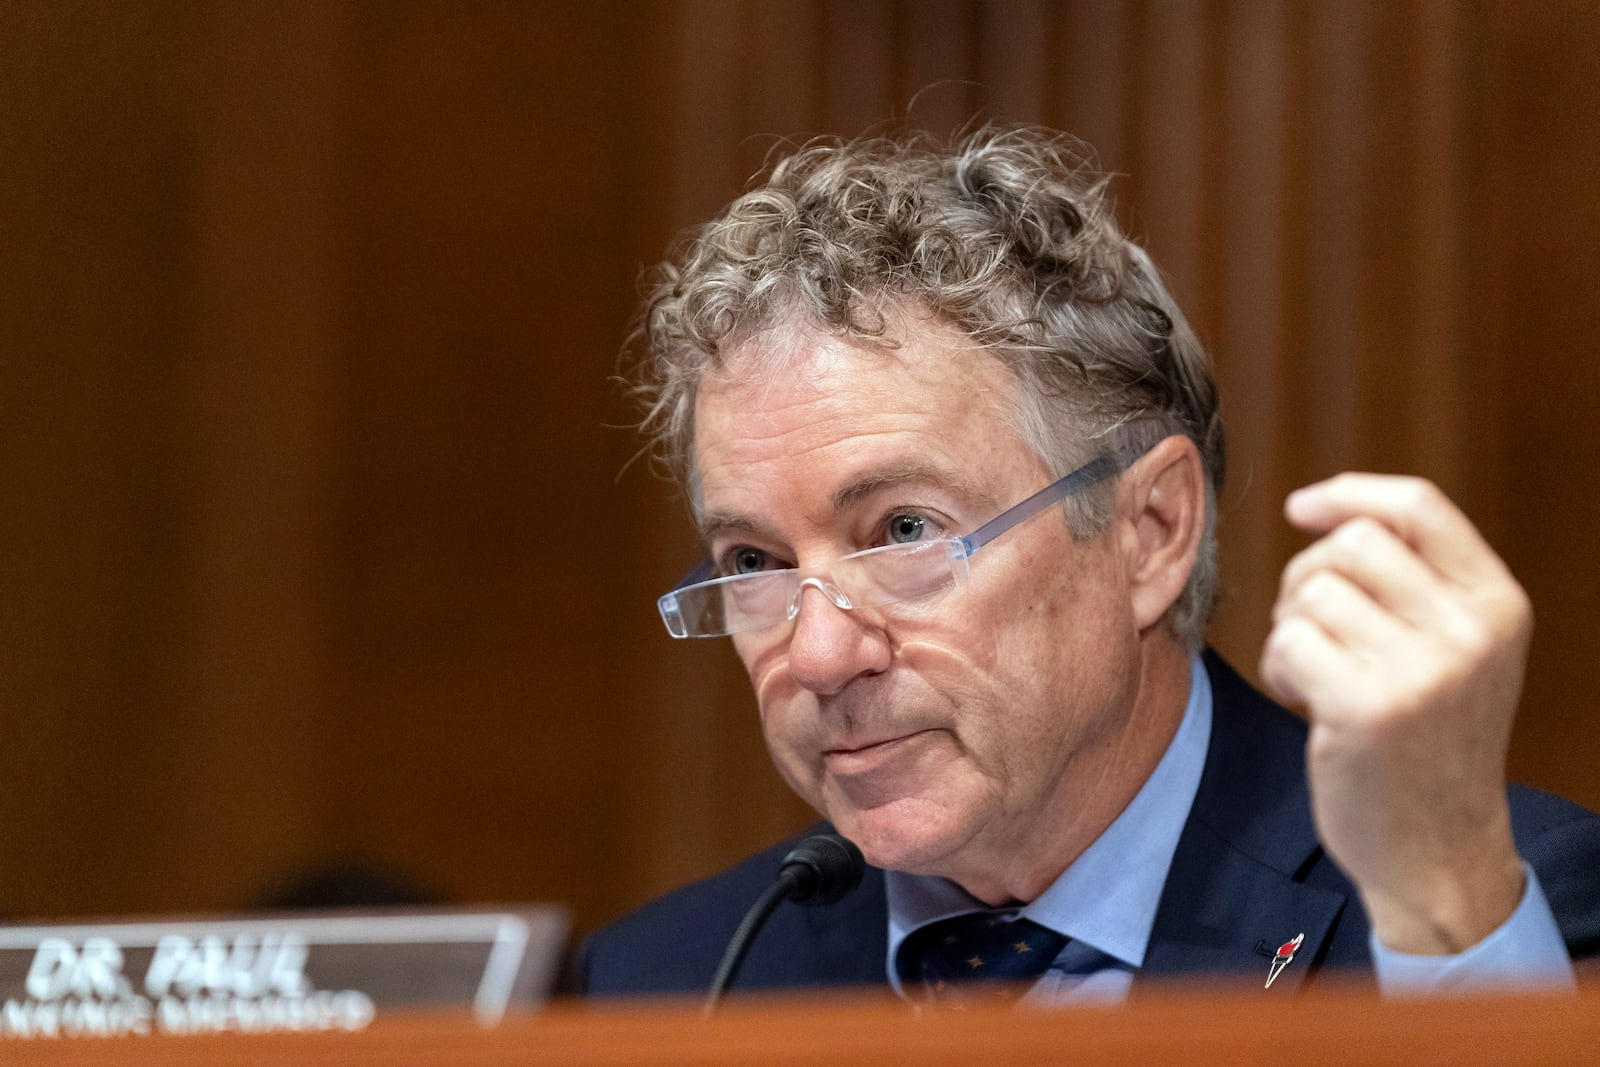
(944, 734)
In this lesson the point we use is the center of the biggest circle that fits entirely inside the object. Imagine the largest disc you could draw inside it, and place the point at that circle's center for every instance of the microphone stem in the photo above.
(744, 937)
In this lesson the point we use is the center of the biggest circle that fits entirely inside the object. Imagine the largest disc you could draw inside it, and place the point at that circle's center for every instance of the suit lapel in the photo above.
(1233, 894)
(1223, 912)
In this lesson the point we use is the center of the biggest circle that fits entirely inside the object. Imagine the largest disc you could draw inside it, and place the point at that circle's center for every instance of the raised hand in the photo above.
(1404, 637)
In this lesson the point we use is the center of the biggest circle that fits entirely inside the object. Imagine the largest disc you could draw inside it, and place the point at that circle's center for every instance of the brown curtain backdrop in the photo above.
(312, 535)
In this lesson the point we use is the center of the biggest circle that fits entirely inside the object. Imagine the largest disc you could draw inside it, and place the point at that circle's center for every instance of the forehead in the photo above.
(795, 410)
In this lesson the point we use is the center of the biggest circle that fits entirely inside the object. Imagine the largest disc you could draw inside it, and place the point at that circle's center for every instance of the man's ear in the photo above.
(1161, 516)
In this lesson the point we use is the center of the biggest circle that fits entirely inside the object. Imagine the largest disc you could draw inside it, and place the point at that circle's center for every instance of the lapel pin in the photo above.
(1284, 957)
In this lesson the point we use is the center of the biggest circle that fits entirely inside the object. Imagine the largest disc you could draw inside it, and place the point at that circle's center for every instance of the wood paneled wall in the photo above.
(312, 538)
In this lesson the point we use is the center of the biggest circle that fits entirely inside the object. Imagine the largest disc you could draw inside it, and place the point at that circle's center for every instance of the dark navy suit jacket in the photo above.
(1248, 874)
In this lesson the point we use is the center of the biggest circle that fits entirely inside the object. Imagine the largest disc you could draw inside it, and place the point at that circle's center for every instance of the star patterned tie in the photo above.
(980, 954)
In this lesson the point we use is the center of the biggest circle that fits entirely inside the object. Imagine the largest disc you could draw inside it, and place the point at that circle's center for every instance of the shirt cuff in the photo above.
(1525, 953)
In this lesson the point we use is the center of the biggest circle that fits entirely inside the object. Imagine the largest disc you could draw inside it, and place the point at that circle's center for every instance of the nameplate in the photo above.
(322, 972)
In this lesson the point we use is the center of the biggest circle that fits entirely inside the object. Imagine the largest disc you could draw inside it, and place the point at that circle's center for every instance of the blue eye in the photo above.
(906, 528)
(747, 561)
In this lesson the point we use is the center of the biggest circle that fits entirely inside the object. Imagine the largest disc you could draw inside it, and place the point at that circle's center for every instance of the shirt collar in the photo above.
(1108, 897)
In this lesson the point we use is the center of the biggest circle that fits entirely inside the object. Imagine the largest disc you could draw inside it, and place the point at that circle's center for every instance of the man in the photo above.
(954, 453)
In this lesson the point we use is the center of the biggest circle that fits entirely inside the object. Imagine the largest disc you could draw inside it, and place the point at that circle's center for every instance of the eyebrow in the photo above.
(712, 523)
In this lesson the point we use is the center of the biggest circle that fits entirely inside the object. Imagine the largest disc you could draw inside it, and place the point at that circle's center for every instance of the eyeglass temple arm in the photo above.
(1096, 470)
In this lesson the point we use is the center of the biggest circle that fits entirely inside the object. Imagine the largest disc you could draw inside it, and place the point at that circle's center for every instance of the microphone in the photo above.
(822, 869)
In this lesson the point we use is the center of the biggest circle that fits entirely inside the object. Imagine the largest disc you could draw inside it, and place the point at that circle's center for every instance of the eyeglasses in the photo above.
(875, 576)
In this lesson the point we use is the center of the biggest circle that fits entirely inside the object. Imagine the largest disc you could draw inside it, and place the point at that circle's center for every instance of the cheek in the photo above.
(788, 717)
(759, 652)
(783, 724)
(1050, 646)
(788, 711)
(1084, 603)
(789, 726)
(991, 643)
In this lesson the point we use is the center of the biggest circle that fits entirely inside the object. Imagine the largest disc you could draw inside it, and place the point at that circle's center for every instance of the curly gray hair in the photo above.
(1007, 234)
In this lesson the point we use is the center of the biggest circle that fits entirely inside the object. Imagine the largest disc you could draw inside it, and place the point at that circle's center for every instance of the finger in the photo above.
(1413, 508)
(1300, 663)
(1373, 558)
(1346, 614)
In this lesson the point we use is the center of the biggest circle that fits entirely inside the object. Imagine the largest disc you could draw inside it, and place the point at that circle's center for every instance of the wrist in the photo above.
(1447, 913)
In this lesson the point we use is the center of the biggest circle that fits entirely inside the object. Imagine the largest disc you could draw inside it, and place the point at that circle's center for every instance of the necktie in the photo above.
(978, 954)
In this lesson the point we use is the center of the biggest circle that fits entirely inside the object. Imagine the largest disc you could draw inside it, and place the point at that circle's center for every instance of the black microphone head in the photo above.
(822, 869)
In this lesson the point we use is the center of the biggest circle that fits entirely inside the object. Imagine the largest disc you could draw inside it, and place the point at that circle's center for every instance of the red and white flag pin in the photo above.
(1284, 957)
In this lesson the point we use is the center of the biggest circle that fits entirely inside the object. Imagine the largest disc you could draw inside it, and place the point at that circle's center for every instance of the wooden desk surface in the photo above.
(1327, 1027)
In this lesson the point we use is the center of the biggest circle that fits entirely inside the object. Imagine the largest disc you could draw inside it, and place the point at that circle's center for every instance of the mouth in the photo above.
(865, 757)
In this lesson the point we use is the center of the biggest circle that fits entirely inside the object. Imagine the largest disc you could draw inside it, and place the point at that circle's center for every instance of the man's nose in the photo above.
(831, 646)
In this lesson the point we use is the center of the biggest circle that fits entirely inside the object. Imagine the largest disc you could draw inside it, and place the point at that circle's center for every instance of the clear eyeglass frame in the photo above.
(888, 574)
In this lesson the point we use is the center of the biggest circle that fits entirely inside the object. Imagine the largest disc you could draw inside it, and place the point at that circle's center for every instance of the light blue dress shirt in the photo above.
(1106, 900)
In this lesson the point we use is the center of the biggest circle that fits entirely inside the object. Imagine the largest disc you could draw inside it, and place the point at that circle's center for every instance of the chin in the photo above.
(900, 836)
